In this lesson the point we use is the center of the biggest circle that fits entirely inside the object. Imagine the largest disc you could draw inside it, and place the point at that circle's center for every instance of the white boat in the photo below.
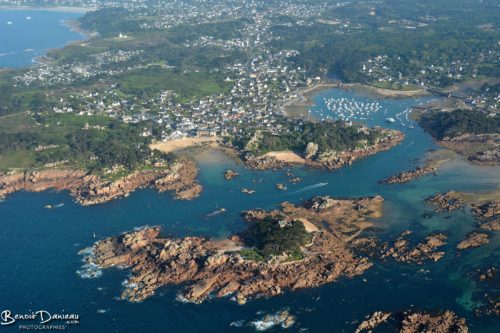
(217, 212)
(390, 120)
(9, 22)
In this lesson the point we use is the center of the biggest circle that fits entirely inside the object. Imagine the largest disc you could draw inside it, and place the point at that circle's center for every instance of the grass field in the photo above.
(154, 80)
(17, 160)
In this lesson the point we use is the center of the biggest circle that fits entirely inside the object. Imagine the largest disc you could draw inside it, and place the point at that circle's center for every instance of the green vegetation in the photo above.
(93, 143)
(251, 254)
(110, 21)
(151, 81)
(273, 236)
(327, 135)
(441, 32)
(452, 124)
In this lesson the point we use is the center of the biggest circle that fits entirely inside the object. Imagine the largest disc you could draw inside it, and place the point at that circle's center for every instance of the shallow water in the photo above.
(39, 246)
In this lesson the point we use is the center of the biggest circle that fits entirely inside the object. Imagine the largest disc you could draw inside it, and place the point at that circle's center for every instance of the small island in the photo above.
(291, 248)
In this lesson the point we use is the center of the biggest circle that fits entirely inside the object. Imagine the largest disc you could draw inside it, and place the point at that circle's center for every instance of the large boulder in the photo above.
(311, 150)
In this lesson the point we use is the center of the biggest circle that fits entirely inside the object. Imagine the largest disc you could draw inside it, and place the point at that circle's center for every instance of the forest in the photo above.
(100, 146)
(442, 125)
(269, 238)
(327, 135)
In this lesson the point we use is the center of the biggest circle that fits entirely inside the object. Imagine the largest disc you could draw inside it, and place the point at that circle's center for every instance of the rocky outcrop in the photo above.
(415, 322)
(281, 186)
(407, 176)
(91, 189)
(423, 251)
(337, 159)
(209, 267)
(447, 322)
(230, 174)
(479, 149)
(37, 181)
(373, 321)
(181, 179)
(280, 318)
(264, 162)
(473, 239)
(311, 150)
(446, 201)
(487, 214)
(487, 282)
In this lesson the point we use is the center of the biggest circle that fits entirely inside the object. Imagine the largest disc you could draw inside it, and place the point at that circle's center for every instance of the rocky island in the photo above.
(473, 239)
(415, 322)
(327, 144)
(484, 207)
(428, 249)
(91, 189)
(285, 249)
(407, 176)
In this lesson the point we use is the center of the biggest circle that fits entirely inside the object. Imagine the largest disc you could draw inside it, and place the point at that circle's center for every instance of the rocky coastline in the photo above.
(91, 189)
(218, 267)
(414, 322)
(330, 159)
(479, 149)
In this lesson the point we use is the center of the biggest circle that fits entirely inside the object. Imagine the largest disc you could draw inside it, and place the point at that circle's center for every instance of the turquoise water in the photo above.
(39, 246)
(31, 33)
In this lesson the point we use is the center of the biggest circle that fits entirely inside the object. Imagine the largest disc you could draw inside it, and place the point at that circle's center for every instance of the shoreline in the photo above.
(62, 9)
(298, 106)
(86, 189)
(73, 25)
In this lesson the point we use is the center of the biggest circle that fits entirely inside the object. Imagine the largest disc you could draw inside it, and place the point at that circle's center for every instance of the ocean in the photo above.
(27, 34)
(40, 260)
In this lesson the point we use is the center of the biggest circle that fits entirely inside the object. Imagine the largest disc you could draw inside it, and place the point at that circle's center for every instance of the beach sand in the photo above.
(179, 144)
(287, 156)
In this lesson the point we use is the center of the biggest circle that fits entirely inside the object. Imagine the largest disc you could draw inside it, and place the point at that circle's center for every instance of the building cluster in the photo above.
(60, 73)
(259, 87)
(393, 72)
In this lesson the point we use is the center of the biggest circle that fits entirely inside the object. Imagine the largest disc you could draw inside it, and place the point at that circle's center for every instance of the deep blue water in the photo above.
(39, 247)
(25, 39)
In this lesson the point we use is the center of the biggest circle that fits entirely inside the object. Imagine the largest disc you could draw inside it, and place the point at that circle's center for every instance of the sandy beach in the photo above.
(286, 156)
(179, 144)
